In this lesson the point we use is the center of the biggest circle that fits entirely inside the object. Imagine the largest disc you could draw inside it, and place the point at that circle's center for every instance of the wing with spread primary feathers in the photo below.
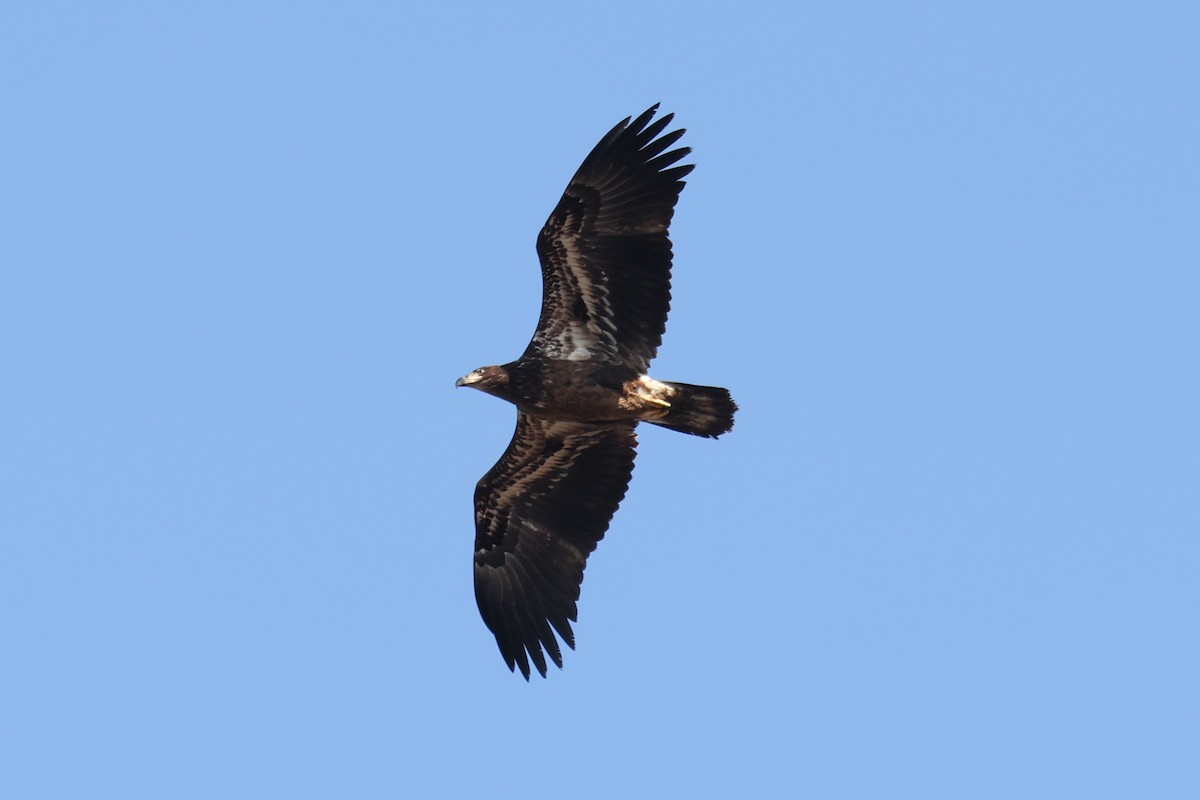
(605, 251)
(539, 513)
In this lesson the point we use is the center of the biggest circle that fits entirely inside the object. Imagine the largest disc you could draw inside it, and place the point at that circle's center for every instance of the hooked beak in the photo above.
(465, 380)
(461, 382)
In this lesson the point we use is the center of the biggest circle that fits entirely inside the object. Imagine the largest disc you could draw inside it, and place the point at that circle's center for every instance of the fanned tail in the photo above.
(699, 410)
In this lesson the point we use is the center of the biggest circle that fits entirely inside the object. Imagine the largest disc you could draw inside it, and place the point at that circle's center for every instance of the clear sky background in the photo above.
(946, 255)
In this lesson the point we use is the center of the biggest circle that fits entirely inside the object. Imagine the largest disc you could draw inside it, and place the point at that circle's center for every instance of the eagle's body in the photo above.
(578, 391)
(581, 388)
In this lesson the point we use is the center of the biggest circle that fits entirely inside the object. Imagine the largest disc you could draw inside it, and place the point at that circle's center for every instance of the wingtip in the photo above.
(644, 118)
(514, 663)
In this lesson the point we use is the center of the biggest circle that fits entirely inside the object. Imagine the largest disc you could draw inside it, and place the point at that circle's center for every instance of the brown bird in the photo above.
(581, 388)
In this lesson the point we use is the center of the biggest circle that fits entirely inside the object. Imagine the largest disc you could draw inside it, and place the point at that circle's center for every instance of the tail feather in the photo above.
(699, 410)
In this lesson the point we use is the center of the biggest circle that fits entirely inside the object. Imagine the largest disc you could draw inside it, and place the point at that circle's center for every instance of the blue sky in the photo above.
(944, 254)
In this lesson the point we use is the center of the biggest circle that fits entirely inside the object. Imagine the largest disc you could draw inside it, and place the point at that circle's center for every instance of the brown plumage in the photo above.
(581, 388)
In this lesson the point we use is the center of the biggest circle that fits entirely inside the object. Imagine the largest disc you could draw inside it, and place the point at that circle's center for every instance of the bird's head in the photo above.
(485, 379)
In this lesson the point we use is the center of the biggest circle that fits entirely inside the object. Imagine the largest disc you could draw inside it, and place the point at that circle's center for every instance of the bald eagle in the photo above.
(581, 389)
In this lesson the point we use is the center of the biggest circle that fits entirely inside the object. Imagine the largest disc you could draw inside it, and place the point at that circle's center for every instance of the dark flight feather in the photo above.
(539, 513)
(606, 244)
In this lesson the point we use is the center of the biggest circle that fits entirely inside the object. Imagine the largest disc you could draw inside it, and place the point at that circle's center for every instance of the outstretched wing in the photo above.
(539, 513)
(605, 251)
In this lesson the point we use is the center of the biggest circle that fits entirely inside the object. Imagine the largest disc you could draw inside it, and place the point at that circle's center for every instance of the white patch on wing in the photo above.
(581, 339)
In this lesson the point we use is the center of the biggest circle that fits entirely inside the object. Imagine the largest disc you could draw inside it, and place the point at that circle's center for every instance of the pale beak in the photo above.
(461, 382)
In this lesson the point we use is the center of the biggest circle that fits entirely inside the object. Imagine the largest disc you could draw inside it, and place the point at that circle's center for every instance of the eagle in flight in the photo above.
(581, 388)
